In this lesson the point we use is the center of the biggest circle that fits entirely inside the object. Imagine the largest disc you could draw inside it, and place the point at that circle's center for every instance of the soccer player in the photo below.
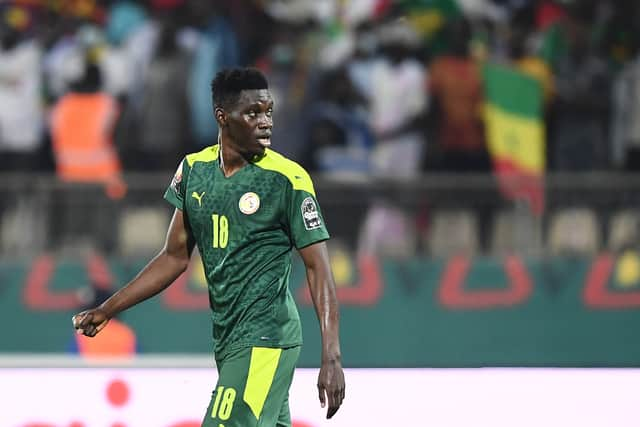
(246, 207)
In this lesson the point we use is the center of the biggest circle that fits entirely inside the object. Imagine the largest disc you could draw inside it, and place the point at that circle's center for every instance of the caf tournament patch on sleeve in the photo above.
(177, 179)
(175, 192)
(310, 214)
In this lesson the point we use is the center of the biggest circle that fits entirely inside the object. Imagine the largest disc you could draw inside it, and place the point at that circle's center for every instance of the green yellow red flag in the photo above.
(515, 133)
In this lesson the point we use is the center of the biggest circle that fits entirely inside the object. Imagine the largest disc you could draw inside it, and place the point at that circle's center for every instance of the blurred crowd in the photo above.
(382, 87)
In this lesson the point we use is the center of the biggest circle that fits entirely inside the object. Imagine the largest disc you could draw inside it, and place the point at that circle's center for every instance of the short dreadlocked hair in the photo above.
(228, 83)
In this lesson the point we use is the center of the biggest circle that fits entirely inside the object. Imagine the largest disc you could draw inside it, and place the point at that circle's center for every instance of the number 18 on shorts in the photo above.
(253, 388)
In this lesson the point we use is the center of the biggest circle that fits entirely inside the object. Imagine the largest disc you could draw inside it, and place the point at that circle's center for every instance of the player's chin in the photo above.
(261, 145)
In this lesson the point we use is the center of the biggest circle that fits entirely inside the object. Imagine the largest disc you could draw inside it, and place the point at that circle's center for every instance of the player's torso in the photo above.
(228, 213)
(239, 225)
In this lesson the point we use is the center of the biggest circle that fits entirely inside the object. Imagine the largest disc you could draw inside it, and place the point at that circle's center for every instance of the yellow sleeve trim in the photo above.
(209, 154)
(262, 370)
(299, 178)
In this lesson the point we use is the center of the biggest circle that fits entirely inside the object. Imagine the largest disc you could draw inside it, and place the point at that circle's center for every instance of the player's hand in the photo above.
(90, 322)
(331, 386)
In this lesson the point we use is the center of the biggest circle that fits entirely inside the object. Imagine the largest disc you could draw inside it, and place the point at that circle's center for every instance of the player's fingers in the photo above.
(90, 330)
(321, 395)
(335, 398)
(338, 396)
(101, 325)
(332, 411)
(86, 320)
(331, 400)
(77, 319)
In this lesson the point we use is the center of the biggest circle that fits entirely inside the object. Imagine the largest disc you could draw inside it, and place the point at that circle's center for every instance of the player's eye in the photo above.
(270, 112)
(252, 114)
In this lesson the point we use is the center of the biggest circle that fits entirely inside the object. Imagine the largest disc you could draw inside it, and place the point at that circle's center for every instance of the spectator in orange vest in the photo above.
(82, 126)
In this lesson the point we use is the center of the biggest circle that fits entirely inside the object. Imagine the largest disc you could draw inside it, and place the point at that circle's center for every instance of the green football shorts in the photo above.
(253, 388)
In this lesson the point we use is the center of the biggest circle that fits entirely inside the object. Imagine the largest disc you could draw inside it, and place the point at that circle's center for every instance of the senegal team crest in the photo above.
(249, 203)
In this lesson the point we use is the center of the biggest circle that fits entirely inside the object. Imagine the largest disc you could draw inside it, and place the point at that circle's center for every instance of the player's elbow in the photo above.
(176, 262)
(181, 264)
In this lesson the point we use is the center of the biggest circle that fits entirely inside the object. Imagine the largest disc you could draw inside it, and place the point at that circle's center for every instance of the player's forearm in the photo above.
(325, 302)
(153, 279)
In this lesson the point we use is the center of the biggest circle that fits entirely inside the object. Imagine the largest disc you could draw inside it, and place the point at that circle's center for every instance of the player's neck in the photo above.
(231, 159)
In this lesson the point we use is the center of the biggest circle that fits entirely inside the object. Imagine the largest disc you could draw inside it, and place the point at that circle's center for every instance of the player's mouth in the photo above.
(264, 140)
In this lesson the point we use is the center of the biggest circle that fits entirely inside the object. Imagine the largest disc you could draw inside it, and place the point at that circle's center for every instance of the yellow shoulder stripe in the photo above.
(299, 178)
(209, 154)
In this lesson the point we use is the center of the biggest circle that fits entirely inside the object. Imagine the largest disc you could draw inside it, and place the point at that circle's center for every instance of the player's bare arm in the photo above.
(172, 261)
(331, 387)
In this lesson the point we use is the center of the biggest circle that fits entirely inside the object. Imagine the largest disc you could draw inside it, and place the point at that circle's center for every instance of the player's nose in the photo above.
(265, 122)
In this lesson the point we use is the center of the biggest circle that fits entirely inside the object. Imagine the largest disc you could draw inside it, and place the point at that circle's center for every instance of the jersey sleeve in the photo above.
(176, 190)
(306, 223)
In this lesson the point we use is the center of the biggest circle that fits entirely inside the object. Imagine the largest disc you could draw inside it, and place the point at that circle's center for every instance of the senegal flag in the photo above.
(515, 133)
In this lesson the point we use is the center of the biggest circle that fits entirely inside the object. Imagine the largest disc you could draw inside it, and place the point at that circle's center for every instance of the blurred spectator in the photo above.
(125, 17)
(522, 57)
(82, 123)
(255, 29)
(398, 102)
(456, 86)
(583, 92)
(21, 109)
(216, 48)
(365, 52)
(128, 41)
(339, 138)
(616, 28)
(625, 126)
(287, 64)
(63, 61)
(161, 123)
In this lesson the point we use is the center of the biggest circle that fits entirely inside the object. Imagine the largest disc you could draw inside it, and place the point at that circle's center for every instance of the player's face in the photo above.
(250, 121)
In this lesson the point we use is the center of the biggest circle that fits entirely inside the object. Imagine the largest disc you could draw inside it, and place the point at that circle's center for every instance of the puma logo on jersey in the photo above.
(198, 197)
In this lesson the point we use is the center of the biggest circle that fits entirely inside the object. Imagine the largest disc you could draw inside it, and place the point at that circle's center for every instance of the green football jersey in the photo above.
(245, 226)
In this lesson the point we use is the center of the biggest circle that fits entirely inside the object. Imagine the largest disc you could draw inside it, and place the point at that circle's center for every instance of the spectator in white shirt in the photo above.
(21, 109)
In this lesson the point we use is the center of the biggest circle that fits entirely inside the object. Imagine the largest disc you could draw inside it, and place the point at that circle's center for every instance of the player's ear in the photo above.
(221, 117)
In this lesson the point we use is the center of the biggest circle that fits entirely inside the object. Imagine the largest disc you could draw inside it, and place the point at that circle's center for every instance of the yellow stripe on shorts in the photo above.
(262, 369)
